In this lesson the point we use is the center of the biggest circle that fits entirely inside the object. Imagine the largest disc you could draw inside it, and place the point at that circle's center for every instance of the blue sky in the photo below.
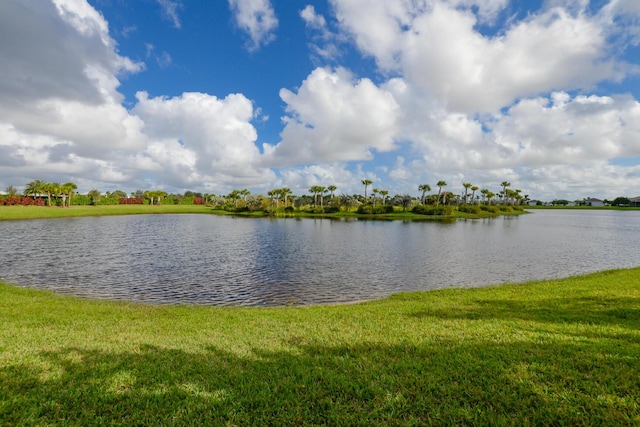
(213, 96)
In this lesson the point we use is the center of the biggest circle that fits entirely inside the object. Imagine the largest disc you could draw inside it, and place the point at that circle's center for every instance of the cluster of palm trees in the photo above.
(319, 190)
(507, 195)
(156, 195)
(375, 191)
(38, 188)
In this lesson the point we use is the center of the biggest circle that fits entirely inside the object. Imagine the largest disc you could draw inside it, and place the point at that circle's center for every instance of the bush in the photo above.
(490, 209)
(108, 201)
(433, 210)
(377, 210)
(472, 209)
(288, 209)
(20, 201)
(316, 210)
(131, 201)
(507, 209)
(81, 200)
(331, 209)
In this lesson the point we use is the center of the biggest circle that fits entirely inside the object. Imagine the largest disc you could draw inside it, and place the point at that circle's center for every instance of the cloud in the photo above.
(312, 19)
(170, 11)
(198, 137)
(257, 18)
(437, 47)
(325, 44)
(59, 84)
(334, 117)
(62, 118)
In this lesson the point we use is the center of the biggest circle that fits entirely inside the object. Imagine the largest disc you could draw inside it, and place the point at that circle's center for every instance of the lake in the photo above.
(219, 260)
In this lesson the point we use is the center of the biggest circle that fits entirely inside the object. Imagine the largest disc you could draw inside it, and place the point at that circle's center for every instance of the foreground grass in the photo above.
(563, 352)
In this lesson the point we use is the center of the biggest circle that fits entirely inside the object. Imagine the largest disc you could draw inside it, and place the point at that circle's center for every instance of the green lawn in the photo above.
(562, 352)
(32, 212)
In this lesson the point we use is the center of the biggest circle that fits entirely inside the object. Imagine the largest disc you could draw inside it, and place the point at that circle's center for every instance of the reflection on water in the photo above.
(202, 259)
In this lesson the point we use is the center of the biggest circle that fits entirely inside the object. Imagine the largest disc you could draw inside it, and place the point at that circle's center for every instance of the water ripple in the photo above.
(200, 259)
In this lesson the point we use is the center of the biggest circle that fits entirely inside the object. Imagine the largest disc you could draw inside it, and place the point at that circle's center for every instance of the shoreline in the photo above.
(292, 305)
(45, 212)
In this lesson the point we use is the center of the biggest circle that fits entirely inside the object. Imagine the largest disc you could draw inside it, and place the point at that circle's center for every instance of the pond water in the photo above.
(217, 260)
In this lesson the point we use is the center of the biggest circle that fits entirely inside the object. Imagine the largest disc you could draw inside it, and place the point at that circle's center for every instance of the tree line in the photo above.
(319, 198)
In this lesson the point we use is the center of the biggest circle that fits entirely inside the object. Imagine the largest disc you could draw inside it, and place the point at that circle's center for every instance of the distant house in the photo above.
(634, 201)
(533, 202)
(593, 202)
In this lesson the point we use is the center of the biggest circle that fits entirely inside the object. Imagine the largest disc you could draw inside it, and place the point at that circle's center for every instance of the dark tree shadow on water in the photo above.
(446, 383)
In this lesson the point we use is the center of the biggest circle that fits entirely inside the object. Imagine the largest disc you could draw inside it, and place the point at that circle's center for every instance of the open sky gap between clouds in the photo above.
(402, 93)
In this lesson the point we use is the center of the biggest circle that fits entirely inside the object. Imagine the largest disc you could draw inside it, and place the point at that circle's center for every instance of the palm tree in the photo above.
(322, 190)
(490, 195)
(160, 194)
(440, 184)
(473, 194)
(467, 186)
(52, 189)
(316, 189)
(375, 191)
(384, 196)
(424, 188)
(484, 193)
(504, 185)
(285, 192)
(67, 189)
(366, 183)
(34, 188)
(234, 195)
(11, 190)
(332, 188)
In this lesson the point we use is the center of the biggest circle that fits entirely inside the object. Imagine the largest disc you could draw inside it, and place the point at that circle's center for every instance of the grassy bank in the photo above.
(563, 352)
(34, 212)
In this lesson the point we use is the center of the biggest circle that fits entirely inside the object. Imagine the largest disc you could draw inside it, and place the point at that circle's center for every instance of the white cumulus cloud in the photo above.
(257, 18)
(334, 117)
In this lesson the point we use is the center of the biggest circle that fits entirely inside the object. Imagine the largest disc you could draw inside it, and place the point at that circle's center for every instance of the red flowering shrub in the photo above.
(131, 201)
(20, 201)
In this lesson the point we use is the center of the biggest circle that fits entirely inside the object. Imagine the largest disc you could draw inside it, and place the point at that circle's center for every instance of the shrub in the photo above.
(108, 201)
(20, 201)
(316, 210)
(131, 201)
(472, 209)
(377, 210)
(491, 209)
(433, 210)
(331, 209)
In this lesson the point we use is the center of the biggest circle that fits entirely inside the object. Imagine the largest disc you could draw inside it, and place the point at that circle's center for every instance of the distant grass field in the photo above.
(32, 212)
(561, 352)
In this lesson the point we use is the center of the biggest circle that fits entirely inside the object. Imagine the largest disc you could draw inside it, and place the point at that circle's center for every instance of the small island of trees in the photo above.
(319, 200)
